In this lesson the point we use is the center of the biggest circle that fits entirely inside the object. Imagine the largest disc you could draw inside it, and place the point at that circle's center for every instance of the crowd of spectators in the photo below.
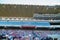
(27, 34)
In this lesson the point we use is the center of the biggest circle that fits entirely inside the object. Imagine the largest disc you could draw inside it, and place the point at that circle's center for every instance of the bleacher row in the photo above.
(30, 19)
(22, 18)
(15, 18)
(47, 16)
(28, 34)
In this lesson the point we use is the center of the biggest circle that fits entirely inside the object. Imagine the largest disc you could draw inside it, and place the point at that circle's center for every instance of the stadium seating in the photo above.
(27, 34)
(46, 16)
(18, 34)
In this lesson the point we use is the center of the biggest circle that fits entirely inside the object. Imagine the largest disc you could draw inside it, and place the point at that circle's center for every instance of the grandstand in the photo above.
(29, 22)
(7, 10)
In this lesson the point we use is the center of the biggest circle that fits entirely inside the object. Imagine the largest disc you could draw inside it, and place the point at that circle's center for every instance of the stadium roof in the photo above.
(31, 2)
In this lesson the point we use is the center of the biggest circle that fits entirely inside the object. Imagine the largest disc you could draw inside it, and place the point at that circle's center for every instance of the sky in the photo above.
(31, 2)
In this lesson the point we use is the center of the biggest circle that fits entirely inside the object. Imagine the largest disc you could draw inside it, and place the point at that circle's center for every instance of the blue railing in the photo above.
(24, 23)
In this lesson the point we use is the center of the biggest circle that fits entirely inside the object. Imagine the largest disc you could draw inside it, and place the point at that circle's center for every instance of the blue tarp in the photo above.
(22, 23)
